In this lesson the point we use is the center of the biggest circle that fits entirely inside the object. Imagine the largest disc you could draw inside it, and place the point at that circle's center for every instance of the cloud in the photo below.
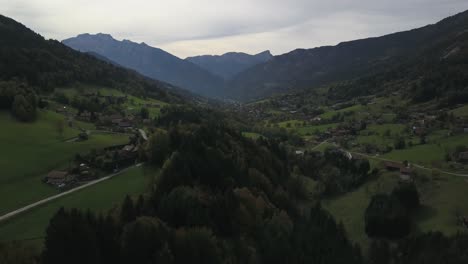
(188, 27)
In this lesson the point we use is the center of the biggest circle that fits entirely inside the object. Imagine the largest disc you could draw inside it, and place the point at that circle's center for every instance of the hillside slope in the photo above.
(47, 64)
(149, 61)
(349, 60)
(230, 64)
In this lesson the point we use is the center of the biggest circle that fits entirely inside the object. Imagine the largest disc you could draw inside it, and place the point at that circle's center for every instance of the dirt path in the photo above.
(46, 200)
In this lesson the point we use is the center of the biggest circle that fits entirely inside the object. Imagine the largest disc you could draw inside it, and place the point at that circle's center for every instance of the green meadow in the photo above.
(30, 150)
(98, 198)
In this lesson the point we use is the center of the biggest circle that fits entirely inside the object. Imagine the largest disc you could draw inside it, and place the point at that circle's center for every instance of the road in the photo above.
(414, 164)
(46, 200)
(316, 147)
(382, 159)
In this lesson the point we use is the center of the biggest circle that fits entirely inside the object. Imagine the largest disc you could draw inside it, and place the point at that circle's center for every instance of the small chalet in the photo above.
(56, 177)
(393, 166)
(84, 116)
(405, 173)
(125, 124)
(299, 152)
(419, 131)
(463, 157)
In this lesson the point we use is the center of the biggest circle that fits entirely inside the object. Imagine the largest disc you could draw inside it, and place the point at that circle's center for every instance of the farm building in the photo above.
(393, 166)
(405, 173)
(57, 177)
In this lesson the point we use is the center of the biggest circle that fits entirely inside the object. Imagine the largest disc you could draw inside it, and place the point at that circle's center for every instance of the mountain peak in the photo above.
(231, 63)
(149, 61)
(103, 36)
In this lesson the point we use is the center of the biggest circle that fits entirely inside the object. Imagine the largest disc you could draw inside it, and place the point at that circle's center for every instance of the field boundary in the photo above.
(49, 199)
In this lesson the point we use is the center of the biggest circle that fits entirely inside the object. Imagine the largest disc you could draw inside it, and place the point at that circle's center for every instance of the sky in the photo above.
(198, 27)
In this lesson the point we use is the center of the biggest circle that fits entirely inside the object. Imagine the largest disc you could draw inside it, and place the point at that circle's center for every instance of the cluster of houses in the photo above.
(110, 159)
(63, 179)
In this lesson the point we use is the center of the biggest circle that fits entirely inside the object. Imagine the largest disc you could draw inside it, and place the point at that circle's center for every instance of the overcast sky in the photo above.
(196, 27)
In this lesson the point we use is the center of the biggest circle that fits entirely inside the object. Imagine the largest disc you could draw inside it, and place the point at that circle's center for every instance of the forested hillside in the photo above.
(426, 50)
(30, 65)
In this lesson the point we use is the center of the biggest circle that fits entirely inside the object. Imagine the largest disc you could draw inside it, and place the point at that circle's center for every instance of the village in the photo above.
(97, 163)
(100, 162)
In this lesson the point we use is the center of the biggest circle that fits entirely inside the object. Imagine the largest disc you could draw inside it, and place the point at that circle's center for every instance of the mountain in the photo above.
(27, 57)
(230, 64)
(149, 61)
(306, 68)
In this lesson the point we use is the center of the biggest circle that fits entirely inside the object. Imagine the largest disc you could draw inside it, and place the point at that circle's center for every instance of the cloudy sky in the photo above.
(195, 27)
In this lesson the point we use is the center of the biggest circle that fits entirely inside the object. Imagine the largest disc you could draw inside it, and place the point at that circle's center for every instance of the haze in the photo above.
(187, 28)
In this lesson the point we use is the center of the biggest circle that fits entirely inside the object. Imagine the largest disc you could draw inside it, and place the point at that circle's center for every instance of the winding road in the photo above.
(46, 200)
(382, 159)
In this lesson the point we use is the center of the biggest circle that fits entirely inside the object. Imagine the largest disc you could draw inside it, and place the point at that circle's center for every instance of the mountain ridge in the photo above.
(230, 63)
(150, 61)
(305, 68)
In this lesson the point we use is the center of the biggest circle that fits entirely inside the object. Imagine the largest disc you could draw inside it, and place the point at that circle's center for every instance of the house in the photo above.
(62, 110)
(405, 173)
(393, 166)
(84, 116)
(56, 177)
(419, 131)
(299, 152)
(125, 124)
(463, 157)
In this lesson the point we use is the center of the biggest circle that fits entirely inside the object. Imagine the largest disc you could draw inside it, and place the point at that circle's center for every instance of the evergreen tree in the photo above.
(127, 211)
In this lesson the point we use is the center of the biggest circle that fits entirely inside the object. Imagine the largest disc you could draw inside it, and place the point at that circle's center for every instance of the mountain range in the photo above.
(149, 61)
(308, 68)
(244, 77)
(230, 64)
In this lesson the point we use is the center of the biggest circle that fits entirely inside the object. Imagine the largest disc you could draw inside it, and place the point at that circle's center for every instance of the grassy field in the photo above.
(461, 111)
(350, 207)
(441, 198)
(133, 105)
(98, 198)
(30, 150)
(353, 109)
(296, 125)
(251, 135)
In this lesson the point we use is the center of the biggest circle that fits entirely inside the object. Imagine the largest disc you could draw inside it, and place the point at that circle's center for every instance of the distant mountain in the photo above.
(230, 64)
(149, 61)
(350, 60)
(27, 57)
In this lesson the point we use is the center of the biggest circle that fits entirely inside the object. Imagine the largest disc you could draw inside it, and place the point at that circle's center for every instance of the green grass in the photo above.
(461, 111)
(303, 131)
(30, 150)
(440, 198)
(355, 108)
(425, 154)
(350, 207)
(251, 135)
(296, 125)
(133, 105)
(98, 198)
(381, 129)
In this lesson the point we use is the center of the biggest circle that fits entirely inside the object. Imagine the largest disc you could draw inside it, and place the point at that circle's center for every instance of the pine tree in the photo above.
(127, 211)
